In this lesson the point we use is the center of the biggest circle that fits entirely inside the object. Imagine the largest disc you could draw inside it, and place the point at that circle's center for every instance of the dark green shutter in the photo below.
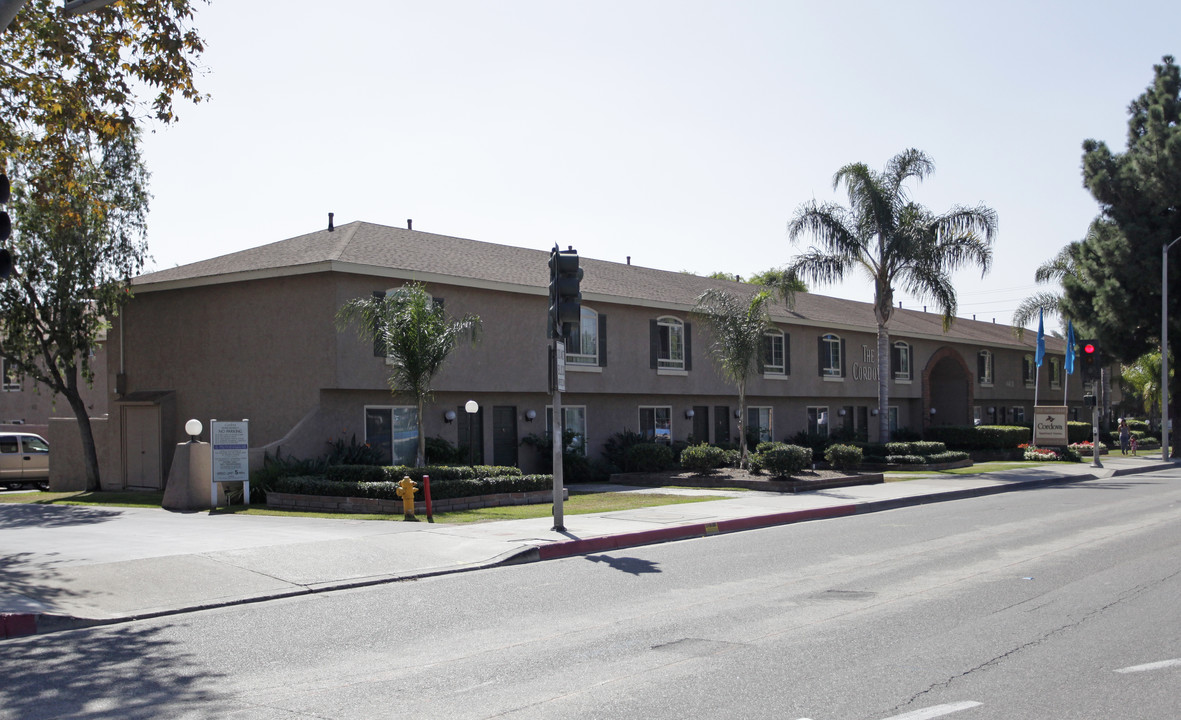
(378, 328)
(602, 340)
(654, 342)
(688, 347)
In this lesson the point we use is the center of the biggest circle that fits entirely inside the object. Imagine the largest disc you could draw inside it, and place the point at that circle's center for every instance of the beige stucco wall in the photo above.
(268, 350)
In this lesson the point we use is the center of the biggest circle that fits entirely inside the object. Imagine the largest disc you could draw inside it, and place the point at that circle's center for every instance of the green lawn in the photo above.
(577, 504)
(978, 468)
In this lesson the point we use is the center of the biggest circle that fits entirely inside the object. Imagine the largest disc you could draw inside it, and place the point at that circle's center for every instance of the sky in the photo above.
(682, 133)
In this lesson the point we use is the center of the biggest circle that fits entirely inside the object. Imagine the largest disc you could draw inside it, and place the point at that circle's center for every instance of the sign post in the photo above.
(231, 456)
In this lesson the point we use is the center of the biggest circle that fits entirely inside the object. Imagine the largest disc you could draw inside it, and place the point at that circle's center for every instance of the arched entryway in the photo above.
(947, 389)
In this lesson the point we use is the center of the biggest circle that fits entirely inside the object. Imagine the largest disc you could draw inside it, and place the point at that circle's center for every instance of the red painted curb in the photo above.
(684, 532)
(17, 625)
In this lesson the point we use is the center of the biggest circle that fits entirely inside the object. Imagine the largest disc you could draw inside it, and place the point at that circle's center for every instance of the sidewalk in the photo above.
(66, 566)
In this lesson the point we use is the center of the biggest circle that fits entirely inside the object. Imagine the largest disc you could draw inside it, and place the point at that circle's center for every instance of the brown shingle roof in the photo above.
(397, 252)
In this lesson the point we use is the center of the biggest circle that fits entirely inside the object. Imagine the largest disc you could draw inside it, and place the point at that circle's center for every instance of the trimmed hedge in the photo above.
(438, 473)
(388, 490)
(649, 457)
(781, 459)
(843, 457)
(982, 437)
(705, 457)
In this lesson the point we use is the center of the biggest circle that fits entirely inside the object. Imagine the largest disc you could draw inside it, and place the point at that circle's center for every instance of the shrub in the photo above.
(703, 458)
(915, 448)
(1037, 454)
(649, 457)
(388, 490)
(277, 467)
(843, 457)
(352, 454)
(616, 448)
(946, 457)
(815, 441)
(983, 437)
(440, 451)
(783, 460)
(906, 460)
(1077, 431)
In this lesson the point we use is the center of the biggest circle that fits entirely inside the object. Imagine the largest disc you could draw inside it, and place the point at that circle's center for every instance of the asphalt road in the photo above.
(1051, 603)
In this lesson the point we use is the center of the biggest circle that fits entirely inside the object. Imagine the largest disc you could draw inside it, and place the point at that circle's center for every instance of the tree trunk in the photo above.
(89, 451)
(883, 383)
(743, 457)
(420, 454)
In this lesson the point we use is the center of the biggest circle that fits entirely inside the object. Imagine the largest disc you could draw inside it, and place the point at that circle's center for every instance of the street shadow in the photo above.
(26, 516)
(124, 672)
(629, 565)
(29, 576)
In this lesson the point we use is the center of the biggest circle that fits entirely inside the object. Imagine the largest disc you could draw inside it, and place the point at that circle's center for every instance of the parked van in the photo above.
(24, 460)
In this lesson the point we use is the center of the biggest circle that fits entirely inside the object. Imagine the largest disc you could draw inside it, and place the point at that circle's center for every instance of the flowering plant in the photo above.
(1040, 454)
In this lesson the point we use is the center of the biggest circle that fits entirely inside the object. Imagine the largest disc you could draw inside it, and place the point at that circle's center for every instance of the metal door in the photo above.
(504, 435)
(141, 447)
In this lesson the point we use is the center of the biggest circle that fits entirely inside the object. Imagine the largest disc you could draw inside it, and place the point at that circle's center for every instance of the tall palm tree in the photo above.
(737, 328)
(895, 242)
(1049, 303)
(417, 336)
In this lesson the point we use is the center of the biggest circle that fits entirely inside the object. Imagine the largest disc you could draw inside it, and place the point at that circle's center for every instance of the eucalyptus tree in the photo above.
(737, 329)
(894, 242)
(75, 94)
(416, 335)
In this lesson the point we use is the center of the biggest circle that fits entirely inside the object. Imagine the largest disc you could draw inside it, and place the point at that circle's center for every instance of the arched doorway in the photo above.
(947, 390)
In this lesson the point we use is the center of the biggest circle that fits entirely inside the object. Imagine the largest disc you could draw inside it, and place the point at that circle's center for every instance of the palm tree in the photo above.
(417, 336)
(1144, 377)
(894, 242)
(737, 329)
(1050, 303)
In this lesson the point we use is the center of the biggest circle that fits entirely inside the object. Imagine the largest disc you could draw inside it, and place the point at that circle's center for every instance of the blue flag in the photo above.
(1070, 348)
(1041, 341)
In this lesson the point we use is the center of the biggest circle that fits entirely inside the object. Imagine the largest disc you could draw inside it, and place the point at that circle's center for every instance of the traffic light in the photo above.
(5, 228)
(1090, 358)
(565, 300)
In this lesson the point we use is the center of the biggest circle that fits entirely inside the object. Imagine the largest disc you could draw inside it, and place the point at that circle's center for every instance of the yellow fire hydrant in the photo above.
(406, 490)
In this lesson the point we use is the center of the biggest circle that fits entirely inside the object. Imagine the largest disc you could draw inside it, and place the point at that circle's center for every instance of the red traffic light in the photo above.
(1089, 349)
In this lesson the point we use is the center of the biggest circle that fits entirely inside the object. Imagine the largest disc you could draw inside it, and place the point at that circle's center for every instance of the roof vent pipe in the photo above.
(330, 225)
(629, 259)
(409, 223)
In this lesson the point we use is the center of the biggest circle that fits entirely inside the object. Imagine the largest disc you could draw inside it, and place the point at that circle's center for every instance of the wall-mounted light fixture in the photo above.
(932, 411)
(992, 411)
(737, 413)
(689, 414)
(193, 430)
(841, 412)
(449, 416)
(874, 411)
(530, 415)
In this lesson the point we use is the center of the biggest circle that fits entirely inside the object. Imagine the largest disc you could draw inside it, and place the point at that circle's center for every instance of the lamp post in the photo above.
(472, 408)
(1164, 347)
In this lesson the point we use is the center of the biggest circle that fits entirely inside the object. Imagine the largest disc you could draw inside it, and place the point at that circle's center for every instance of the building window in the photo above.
(1055, 372)
(900, 361)
(984, 367)
(573, 426)
(1028, 370)
(892, 419)
(758, 424)
(818, 421)
(775, 353)
(1018, 413)
(582, 344)
(669, 344)
(832, 364)
(656, 424)
(12, 379)
(394, 432)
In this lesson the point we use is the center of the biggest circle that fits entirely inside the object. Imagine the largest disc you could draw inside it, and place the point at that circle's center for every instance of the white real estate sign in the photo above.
(231, 454)
(1049, 425)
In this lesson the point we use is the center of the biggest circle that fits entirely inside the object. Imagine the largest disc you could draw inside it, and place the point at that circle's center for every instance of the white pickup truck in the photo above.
(24, 460)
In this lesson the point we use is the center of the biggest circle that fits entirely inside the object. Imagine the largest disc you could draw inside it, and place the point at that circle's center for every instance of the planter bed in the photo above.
(815, 480)
(374, 506)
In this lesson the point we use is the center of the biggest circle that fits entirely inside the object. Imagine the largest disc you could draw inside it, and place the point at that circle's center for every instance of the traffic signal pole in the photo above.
(565, 307)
